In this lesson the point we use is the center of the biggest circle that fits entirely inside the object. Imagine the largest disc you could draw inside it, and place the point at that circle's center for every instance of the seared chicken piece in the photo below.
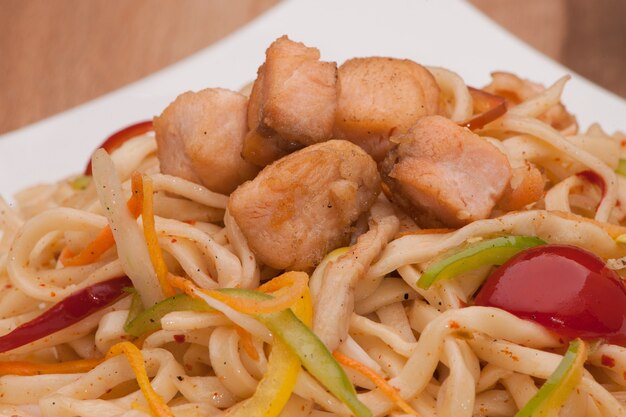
(526, 187)
(200, 137)
(302, 206)
(380, 97)
(443, 174)
(292, 103)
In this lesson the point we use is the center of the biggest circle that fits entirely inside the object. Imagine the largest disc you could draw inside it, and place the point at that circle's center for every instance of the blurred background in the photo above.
(55, 55)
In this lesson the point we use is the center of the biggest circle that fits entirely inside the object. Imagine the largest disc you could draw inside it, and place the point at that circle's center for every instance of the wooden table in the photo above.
(56, 54)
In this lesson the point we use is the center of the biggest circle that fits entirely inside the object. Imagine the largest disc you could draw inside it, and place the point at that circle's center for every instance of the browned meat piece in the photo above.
(200, 137)
(526, 187)
(443, 174)
(380, 97)
(303, 205)
(516, 90)
(292, 102)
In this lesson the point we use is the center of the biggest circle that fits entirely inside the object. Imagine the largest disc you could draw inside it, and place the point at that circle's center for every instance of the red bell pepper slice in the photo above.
(594, 178)
(70, 310)
(118, 138)
(490, 107)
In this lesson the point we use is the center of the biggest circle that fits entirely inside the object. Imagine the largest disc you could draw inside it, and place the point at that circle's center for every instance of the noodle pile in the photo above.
(433, 352)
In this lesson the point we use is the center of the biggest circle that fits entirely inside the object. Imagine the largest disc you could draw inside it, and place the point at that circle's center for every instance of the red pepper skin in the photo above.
(118, 138)
(594, 178)
(491, 107)
(564, 288)
(71, 310)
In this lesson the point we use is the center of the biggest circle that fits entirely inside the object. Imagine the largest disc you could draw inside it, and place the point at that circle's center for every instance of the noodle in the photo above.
(409, 347)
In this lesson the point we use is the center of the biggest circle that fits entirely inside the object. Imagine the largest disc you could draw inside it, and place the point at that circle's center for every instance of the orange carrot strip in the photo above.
(141, 340)
(183, 284)
(293, 279)
(65, 254)
(283, 300)
(158, 407)
(149, 231)
(294, 283)
(32, 368)
(136, 199)
(378, 380)
(105, 240)
(246, 343)
(424, 232)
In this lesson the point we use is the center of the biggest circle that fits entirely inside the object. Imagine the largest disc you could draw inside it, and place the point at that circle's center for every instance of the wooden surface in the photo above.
(588, 36)
(57, 54)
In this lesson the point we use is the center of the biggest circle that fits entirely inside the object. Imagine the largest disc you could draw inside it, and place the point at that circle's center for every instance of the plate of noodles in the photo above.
(369, 228)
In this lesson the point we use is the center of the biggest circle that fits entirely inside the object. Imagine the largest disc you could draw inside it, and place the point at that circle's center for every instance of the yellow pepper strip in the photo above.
(136, 405)
(560, 385)
(158, 407)
(246, 342)
(283, 366)
(378, 380)
(32, 368)
(299, 339)
(296, 281)
(105, 241)
(149, 231)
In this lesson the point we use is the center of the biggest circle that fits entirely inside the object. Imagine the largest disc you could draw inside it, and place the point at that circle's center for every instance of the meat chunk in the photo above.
(526, 187)
(292, 103)
(302, 206)
(443, 174)
(200, 137)
(380, 97)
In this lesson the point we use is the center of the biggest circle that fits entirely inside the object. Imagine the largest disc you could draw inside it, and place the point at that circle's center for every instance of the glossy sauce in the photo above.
(566, 289)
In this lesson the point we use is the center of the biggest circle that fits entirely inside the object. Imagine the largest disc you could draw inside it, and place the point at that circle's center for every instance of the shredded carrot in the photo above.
(183, 284)
(32, 368)
(142, 339)
(105, 240)
(149, 231)
(158, 407)
(294, 283)
(65, 255)
(296, 280)
(246, 343)
(424, 232)
(378, 380)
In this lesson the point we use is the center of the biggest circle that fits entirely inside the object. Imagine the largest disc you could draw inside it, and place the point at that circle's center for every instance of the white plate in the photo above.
(444, 33)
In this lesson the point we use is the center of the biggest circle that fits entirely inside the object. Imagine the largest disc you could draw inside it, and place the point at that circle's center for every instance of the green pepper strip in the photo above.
(313, 354)
(81, 182)
(283, 366)
(149, 320)
(488, 252)
(136, 305)
(621, 167)
(557, 389)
